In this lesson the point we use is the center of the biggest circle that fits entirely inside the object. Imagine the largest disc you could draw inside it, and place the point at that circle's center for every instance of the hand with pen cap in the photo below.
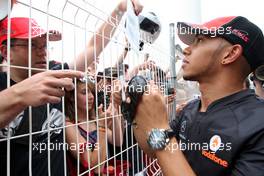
(150, 64)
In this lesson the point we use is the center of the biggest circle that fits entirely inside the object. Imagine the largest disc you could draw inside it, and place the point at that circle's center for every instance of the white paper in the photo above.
(132, 27)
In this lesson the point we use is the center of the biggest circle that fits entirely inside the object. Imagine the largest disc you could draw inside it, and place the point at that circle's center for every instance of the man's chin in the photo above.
(189, 77)
(37, 70)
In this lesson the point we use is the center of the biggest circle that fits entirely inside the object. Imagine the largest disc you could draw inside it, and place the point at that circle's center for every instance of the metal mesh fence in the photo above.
(84, 134)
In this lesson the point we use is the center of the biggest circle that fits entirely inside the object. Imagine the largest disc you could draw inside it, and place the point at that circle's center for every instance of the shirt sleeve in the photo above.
(251, 159)
(174, 123)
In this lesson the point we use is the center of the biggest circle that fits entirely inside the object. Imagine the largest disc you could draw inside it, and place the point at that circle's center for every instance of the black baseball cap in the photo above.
(234, 29)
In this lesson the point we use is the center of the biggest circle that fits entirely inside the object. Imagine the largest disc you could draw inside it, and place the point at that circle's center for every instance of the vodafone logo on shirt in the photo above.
(215, 143)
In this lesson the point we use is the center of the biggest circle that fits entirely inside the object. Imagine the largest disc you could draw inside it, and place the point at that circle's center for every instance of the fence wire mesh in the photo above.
(84, 134)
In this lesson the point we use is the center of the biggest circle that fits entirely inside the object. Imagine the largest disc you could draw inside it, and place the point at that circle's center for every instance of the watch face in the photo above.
(157, 139)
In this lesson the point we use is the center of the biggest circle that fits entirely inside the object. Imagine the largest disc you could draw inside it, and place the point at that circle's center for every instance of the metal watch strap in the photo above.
(159, 138)
(170, 133)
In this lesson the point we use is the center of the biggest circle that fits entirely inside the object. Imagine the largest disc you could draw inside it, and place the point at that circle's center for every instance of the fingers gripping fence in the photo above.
(84, 133)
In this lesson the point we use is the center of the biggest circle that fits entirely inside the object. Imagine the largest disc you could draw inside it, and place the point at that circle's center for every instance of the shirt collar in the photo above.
(236, 97)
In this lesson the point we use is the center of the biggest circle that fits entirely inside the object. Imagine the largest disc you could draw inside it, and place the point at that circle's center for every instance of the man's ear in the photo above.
(3, 51)
(232, 53)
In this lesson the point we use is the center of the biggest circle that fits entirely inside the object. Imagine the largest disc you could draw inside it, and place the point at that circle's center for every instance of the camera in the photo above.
(150, 26)
(103, 99)
(135, 90)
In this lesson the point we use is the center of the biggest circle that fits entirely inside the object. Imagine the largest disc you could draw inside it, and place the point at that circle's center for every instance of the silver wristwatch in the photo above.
(159, 138)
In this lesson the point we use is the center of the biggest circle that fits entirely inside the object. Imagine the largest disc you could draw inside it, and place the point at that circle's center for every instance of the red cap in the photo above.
(19, 28)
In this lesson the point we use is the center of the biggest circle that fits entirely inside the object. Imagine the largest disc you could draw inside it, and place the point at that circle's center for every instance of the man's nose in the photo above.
(187, 50)
(42, 51)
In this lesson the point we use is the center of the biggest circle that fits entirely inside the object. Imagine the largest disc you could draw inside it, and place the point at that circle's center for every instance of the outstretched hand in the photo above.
(45, 87)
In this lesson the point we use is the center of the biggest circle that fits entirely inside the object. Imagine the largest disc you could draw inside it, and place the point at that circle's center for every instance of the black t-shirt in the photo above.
(19, 144)
(227, 139)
